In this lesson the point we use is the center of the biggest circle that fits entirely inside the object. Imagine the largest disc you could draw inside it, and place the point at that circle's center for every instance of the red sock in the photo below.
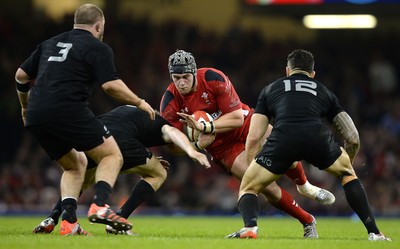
(288, 205)
(297, 174)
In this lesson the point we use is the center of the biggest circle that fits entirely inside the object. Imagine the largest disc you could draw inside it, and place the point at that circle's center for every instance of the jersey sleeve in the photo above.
(225, 94)
(103, 65)
(261, 107)
(31, 64)
(335, 107)
(169, 108)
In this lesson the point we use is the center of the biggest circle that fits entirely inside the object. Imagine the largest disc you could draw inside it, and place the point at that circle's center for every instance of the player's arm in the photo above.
(23, 87)
(229, 121)
(224, 123)
(175, 136)
(118, 90)
(229, 103)
(254, 141)
(344, 125)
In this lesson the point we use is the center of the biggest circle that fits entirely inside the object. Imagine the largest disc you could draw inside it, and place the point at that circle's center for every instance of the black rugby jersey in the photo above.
(128, 122)
(66, 68)
(297, 99)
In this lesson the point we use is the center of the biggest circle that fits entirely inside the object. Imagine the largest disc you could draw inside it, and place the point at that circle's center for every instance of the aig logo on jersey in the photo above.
(264, 161)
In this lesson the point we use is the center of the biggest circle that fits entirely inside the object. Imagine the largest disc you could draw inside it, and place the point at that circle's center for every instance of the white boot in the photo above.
(322, 196)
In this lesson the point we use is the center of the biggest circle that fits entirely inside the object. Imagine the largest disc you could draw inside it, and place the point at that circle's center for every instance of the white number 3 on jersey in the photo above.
(65, 47)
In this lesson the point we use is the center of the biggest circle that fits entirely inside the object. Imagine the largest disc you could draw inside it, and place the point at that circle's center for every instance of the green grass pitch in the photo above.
(191, 232)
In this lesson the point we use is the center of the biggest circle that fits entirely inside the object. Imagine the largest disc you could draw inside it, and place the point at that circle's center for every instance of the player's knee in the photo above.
(346, 172)
(342, 171)
(118, 158)
(158, 173)
(272, 193)
(82, 161)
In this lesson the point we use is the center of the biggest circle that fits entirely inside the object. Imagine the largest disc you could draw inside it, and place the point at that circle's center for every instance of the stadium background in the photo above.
(250, 45)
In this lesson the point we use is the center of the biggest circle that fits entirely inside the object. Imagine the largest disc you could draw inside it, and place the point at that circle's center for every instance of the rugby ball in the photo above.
(199, 116)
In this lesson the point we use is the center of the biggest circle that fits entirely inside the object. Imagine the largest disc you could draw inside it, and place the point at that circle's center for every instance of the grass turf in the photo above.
(174, 232)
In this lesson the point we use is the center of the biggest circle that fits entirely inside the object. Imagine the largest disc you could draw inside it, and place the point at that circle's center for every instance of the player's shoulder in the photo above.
(168, 98)
(322, 88)
(277, 84)
(54, 39)
(126, 114)
(171, 92)
(85, 39)
(209, 74)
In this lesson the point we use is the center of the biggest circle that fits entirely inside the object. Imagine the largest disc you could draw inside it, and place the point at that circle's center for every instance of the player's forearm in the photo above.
(229, 121)
(352, 150)
(23, 86)
(344, 125)
(119, 91)
(23, 99)
(181, 142)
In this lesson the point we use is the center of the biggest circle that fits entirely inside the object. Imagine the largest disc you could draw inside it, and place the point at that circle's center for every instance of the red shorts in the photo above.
(227, 146)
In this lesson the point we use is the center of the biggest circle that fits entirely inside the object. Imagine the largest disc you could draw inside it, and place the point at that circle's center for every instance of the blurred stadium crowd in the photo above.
(361, 67)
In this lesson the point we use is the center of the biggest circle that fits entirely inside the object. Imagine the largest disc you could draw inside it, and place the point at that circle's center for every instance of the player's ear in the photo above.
(97, 26)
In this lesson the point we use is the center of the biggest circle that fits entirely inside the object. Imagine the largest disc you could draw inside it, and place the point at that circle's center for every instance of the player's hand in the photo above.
(164, 162)
(144, 106)
(205, 139)
(190, 121)
(200, 158)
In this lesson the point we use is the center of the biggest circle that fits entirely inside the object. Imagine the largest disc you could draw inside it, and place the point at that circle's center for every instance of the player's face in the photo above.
(183, 82)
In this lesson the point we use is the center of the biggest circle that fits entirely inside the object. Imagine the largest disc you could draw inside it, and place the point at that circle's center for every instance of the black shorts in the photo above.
(58, 139)
(133, 152)
(289, 143)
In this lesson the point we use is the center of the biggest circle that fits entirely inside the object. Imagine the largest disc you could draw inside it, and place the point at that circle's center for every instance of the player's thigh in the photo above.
(51, 140)
(256, 178)
(342, 166)
(152, 172)
(152, 168)
(73, 160)
(108, 148)
(240, 165)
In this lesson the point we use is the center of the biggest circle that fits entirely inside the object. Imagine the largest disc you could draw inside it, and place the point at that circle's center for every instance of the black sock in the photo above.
(357, 199)
(103, 191)
(56, 213)
(249, 208)
(140, 193)
(68, 207)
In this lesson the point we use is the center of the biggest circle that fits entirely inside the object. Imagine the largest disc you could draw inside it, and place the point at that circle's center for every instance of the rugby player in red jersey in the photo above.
(210, 90)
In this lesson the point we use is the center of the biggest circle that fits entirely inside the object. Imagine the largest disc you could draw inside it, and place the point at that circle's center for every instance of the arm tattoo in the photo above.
(345, 127)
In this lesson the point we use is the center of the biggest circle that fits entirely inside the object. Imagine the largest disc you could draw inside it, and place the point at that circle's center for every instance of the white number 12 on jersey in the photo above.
(301, 86)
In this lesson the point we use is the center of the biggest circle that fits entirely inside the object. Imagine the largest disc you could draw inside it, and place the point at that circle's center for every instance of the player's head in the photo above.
(182, 69)
(92, 17)
(182, 62)
(301, 60)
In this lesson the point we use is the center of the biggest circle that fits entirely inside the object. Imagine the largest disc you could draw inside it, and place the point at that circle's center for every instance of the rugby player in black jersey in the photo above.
(297, 105)
(65, 70)
(135, 132)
